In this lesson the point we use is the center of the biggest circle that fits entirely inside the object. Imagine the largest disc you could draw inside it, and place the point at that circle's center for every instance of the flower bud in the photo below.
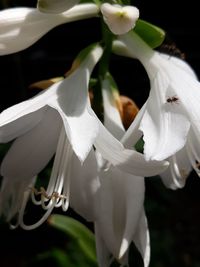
(120, 19)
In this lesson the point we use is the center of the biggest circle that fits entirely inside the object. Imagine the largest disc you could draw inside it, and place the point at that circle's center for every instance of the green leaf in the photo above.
(84, 237)
(151, 34)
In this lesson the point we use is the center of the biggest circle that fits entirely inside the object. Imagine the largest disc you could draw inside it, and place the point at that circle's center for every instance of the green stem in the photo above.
(107, 38)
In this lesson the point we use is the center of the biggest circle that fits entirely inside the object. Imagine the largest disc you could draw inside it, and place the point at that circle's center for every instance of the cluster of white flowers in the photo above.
(96, 170)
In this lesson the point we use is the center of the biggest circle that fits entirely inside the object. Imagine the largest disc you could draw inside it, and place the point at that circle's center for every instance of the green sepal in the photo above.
(151, 34)
(84, 52)
(79, 59)
(79, 232)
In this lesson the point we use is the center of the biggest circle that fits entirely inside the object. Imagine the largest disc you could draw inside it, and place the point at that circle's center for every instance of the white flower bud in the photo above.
(120, 19)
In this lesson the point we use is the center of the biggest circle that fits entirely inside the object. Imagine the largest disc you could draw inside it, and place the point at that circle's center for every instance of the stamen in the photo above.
(54, 174)
(57, 160)
(64, 175)
(66, 190)
(42, 192)
(58, 190)
(21, 214)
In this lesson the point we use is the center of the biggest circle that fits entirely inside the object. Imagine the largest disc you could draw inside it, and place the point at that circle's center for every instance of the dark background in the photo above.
(173, 215)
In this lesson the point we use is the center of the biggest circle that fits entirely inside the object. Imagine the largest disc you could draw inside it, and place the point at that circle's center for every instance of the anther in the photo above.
(42, 192)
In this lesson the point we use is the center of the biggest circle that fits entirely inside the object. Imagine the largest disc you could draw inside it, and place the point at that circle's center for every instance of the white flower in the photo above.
(21, 27)
(55, 6)
(120, 216)
(120, 19)
(58, 117)
(173, 104)
(69, 97)
(59, 120)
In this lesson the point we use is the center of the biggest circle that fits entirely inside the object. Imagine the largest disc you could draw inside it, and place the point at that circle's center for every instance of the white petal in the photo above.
(127, 160)
(180, 167)
(164, 124)
(55, 6)
(180, 64)
(18, 127)
(73, 105)
(142, 239)
(112, 119)
(21, 117)
(193, 151)
(134, 187)
(119, 204)
(84, 185)
(22, 27)
(30, 153)
(103, 254)
(189, 98)
(12, 194)
(72, 102)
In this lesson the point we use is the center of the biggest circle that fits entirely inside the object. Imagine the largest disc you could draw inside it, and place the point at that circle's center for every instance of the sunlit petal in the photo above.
(80, 123)
(165, 132)
(21, 27)
(126, 160)
(55, 6)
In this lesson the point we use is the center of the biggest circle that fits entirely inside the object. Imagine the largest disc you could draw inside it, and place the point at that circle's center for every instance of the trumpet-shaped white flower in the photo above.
(173, 104)
(69, 97)
(58, 117)
(55, 6)
(22, 27)
(120, 19)
(64, 107)
(120, 216)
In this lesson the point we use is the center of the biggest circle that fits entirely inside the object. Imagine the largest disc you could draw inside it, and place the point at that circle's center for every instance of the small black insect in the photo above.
(173, 99)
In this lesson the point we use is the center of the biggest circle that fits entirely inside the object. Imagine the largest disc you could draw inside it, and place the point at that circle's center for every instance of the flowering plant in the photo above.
(81, 122)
